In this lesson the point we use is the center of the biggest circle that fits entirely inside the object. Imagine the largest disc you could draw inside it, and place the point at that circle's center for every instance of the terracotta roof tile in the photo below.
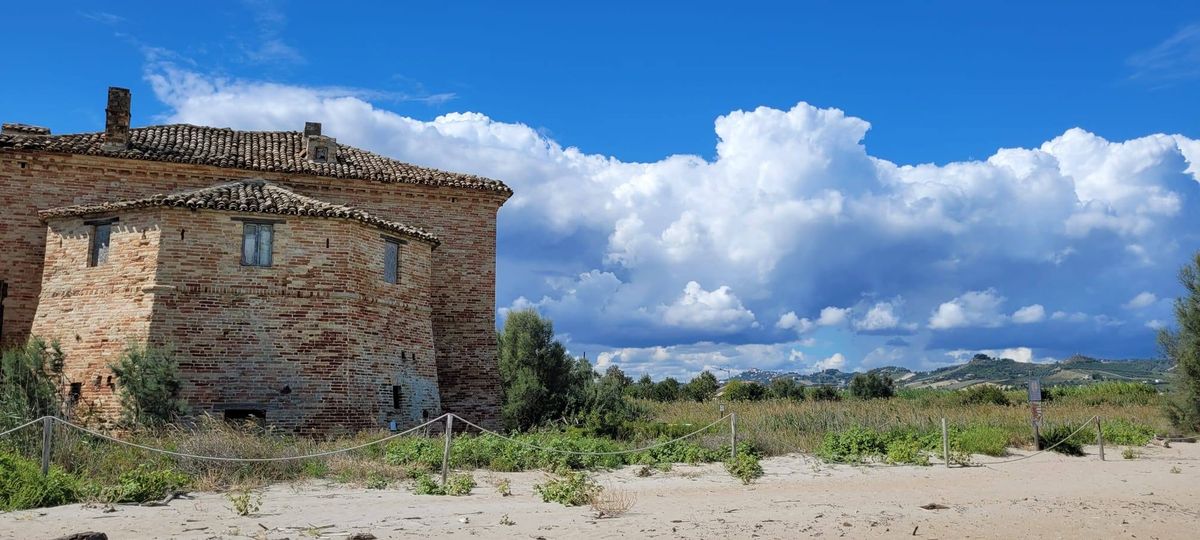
(268, 151)
(253, 196)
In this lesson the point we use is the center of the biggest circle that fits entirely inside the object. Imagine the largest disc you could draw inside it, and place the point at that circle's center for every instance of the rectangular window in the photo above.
(396, 397)
(98, 250)
(391, 261)
(256, 243)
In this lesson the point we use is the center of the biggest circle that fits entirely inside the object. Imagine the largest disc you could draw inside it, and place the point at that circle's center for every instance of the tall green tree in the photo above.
(31, 380)
(1182, 346)
(702, 387)
(148, 386)
(872, 386)
(786, 388)
(536, 373)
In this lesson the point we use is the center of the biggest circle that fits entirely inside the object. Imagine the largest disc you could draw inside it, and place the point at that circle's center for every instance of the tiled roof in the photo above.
(268, 151)
(255, 196)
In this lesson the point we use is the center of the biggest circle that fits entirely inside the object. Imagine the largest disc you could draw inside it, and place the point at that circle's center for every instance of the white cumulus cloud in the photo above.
(1143, 299)
(974, 308)
(1029, 314)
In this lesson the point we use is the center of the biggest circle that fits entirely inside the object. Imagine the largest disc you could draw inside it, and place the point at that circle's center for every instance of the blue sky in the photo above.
(709, 185)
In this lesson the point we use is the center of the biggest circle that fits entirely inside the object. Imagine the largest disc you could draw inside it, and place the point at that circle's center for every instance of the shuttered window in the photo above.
(256, 243)
(98, 250)
(391, 261)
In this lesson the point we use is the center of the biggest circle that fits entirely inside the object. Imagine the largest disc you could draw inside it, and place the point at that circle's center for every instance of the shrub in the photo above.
(149, 383)
(786, 388)
(872, 386)
(23, 486)
(456, 485)
(825, 393)
(1124, 432)
(981, 394)
(504, 487)
(701, 388)
(853, 445)
(244, 502)
(568, 489)
(1130, 453)
(738, 390)
(1182, 347)
(30, 379)
(907, 451)
(145, 484)
(744, 467)
(610, 502)
(1059, 437)
(536, 372)
(979, 439)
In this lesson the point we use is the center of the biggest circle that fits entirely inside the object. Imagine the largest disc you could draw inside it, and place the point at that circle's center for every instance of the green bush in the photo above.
(456, 485)
(148, 386)
(744, 467)
(982, 394)
(23, 486)
(568, 489)
(30, 379)
(979, 439)
(825, 393)
(852, 445)
(1060, 435)
(738, 390)
(907, 451)
(145, 484)
(872, 386)
(1124, 432)
(785, 388)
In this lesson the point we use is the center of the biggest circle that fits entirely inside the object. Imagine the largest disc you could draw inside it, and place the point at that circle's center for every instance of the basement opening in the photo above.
(239, 415)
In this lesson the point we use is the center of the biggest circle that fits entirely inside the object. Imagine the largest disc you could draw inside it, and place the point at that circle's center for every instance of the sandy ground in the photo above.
(1047, 496)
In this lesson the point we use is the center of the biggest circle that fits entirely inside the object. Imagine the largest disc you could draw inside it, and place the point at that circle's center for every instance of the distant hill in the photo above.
(982, 369)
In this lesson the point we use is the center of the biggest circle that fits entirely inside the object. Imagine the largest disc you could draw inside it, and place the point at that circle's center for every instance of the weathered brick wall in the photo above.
(95, 312)
(462, 268)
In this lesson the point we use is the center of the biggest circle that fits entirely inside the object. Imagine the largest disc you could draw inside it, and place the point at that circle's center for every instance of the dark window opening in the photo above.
(182, 232)
(326, 243)
(76, 392)
(396, 397)
(321, 154)
(391, 261)
(98, 250)
(236, 415)
(256, 243)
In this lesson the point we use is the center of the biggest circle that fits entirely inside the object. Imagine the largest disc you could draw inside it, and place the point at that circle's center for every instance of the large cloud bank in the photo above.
(792, 247)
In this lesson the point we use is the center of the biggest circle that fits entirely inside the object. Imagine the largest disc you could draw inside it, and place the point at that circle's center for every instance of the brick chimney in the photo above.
(319, 148)
(116, 119)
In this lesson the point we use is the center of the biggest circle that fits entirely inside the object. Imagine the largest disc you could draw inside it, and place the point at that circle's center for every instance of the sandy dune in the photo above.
(1047, 496)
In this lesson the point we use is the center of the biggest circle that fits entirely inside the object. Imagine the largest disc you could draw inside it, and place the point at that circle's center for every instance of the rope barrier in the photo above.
(1086, 423)
(23, 426)
(578, 453)
(248, 460)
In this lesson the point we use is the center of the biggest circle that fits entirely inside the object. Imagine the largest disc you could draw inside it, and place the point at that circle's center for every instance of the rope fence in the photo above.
(449, 419)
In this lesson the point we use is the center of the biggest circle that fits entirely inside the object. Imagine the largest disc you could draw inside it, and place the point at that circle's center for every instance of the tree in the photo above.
(786, 388)
(702, 387)
(1182, 347)
(642, 389)
(536, 373)
(871, 386)
(148, 386)
(31, 378)
(825, 393)
(666, 390)
(618, 377)
(738, 390)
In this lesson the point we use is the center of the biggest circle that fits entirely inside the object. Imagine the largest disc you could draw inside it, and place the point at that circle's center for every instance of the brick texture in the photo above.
(319, 333)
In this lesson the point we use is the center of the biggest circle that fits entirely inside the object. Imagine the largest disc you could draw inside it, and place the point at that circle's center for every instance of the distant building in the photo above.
(315, 285)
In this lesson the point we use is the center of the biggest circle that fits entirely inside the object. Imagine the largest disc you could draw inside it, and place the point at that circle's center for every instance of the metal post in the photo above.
(446, 452)
(47, 434)
(732, 435)
(1100, 438)
(945, 444)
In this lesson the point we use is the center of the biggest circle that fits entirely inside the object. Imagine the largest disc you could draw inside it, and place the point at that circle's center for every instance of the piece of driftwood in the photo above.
(90, 535)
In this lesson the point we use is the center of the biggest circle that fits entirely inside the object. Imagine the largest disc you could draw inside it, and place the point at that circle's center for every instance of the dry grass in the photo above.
(780, 426)
(612, 502)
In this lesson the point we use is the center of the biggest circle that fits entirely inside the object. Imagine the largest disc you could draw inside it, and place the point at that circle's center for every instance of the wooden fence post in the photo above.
(446, 451)
(1100, 438)
(945, 444)
(47, 439)
(732, 435)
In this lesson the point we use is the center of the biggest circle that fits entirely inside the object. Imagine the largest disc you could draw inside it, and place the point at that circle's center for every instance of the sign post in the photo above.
(1035, 411)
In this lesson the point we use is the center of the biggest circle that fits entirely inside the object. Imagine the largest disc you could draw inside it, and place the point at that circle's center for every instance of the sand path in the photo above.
(1047, 496)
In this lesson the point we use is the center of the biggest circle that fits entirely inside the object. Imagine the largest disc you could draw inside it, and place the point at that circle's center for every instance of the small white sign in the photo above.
(1035, 390)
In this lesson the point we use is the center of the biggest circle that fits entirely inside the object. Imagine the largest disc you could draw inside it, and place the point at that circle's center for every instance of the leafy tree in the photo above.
(786, 388)
(536, 372)
(666, 390)
(618, 377)
(702, 387)
(984, 394)
(604, 409)
(871, 386)
(1182, 347)
(642, 389)
(738, 390)
(825, 393)
(31, 379)
(148, 386)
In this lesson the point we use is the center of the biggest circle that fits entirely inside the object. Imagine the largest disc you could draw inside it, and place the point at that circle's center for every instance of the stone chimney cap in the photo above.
(312, 128)
(24, 130)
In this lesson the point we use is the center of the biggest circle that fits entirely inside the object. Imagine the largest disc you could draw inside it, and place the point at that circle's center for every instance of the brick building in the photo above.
(320, 286)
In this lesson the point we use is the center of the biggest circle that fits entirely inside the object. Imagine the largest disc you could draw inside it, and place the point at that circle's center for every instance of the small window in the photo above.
(250, 415)
(76, 392)
(321, 154)
(256, 244)
(98, 251)
(396, 397)
(391, 261)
